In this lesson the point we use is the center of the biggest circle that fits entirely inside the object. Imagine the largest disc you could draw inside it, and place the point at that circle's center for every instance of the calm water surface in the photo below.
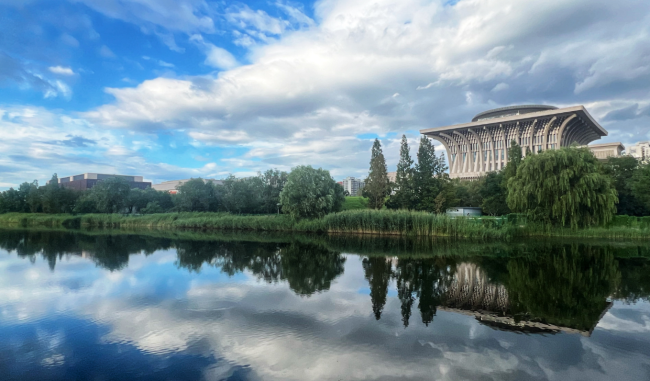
(101, 306)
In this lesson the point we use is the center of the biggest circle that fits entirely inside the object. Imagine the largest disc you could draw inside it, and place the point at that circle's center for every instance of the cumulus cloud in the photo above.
(216, 57)
(323, 86)
(37, 143)
(61, 70)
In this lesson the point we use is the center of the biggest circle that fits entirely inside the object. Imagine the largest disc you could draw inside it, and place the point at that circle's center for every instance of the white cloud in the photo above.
(308, 93)
(165, 64)
(106, 52)
(244, 17)
(215, 56)
(306, 96)
(220, 58)
(37, 143)
(61, 70)
(174, 15)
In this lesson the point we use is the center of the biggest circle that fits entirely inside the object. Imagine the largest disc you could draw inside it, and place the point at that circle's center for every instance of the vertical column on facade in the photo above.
(547, 128)
(490, 149)
(454, 166)
(560, 134)
(467, 150)
(530, 136)
(479, 142)
(506, 143)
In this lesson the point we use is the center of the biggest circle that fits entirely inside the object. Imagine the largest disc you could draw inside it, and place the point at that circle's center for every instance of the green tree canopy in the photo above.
(429, 179)
(641, 185)
(566, 187)
(623, 171)
(196, 195)
(377, 186)
(404, 197)
(311, 193)
(111, 195)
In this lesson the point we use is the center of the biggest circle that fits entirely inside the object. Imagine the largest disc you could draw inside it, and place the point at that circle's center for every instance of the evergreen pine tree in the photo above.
(428, 180)
(403, 197)
(377, 186)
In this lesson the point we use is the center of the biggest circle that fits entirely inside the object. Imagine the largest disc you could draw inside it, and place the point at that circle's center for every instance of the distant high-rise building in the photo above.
(353, 186)
(392, 176)
(89, 180)
(641, 151)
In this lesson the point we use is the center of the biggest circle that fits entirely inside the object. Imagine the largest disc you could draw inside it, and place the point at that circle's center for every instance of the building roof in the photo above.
(509, 110)
(580, 111)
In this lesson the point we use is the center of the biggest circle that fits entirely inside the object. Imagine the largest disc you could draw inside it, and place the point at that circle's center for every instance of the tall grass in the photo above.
(380, 222)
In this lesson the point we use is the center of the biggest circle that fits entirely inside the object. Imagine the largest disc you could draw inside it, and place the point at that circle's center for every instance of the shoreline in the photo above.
(353, 222)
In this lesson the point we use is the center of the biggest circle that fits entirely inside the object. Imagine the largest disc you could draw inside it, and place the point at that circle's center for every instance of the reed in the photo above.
(378, 222)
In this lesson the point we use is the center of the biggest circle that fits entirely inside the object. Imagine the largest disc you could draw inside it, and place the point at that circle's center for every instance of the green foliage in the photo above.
(468, 193)
(196, 195)
(625, 171)
(377, 185)
(151, 208)
(641, 185)
(355, 202)
(110, 195)
(273, 182)
(242, 195)
(404, 196)
(494, 194)
(565, 187)
(311, 193)
(430, 179)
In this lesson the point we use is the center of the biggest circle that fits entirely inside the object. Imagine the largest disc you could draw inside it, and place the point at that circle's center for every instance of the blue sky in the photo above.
(173, 89)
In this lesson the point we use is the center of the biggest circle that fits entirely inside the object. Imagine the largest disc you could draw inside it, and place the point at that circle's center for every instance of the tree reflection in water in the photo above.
(551, 284)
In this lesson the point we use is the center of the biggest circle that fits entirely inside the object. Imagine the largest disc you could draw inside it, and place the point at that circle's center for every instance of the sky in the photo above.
(172, 89)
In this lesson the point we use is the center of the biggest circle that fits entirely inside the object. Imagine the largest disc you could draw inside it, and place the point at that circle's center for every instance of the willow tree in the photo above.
(377, 186)
(565, 187)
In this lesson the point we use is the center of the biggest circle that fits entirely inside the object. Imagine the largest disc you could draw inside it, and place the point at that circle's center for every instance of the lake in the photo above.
(101, 305)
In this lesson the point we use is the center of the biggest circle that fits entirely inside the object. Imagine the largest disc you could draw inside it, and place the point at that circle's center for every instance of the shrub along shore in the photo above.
(380, 222)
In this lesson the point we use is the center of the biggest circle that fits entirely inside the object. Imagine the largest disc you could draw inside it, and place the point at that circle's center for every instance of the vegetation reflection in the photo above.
(531, 287)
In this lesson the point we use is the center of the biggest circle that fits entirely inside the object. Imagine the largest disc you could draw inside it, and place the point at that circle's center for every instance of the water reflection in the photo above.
(566, 285)
(417, 290)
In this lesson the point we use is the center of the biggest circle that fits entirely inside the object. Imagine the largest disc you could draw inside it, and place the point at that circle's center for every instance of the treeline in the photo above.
(305, 192)
(565, 187)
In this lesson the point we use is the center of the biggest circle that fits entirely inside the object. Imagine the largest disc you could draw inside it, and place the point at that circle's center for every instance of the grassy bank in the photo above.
(383, 222)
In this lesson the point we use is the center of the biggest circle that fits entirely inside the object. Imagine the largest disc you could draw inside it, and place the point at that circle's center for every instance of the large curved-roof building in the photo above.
(481, 146)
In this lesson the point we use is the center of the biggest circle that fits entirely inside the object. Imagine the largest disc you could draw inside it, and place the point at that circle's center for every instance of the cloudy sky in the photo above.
(173, 89)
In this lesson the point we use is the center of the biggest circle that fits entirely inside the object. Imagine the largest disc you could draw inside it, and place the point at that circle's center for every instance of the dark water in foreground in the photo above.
(250, 307)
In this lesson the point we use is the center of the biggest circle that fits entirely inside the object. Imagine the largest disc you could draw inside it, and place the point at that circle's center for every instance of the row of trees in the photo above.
(567, 187)
(305, 192)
